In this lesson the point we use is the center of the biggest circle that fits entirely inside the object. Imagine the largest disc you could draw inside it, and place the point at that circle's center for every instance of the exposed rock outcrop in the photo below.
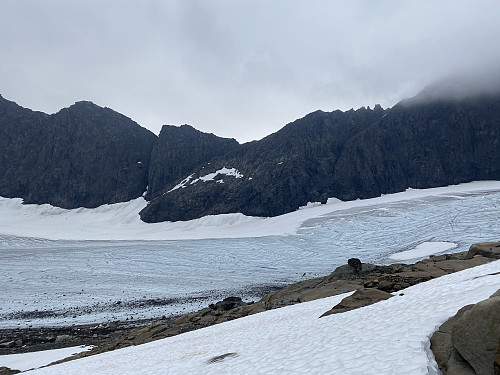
(82, 156)
(7, 371)
(343, 279)
(178, 151)
(485, 249)
(347, 155)
(469, 342)
(85, 156)
(360, 298)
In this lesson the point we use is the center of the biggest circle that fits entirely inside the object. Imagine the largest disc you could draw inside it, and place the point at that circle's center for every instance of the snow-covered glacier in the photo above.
(171, 268)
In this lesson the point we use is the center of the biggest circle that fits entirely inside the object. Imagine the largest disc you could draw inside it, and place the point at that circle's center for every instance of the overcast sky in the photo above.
(239, 69)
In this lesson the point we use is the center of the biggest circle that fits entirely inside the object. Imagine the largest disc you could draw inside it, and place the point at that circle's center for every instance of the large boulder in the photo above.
(468, 343)
(448, 358)
(476, 335)
(485, 249)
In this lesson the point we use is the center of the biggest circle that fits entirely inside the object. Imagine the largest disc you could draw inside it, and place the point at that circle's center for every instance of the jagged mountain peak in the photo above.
(87, 155)
(354, 154)
(81, 156)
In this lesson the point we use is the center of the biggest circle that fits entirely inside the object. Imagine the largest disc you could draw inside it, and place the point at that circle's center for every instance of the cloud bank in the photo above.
(237, 69)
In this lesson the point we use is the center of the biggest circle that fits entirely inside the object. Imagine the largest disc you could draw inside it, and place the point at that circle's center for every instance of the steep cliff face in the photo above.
(348, 155)
(178, 151)
(85, 156)
(421, 146)
(278, 174)
(82, 156)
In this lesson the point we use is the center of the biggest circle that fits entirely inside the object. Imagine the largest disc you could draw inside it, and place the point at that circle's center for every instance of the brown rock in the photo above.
(7, 371)
(497, 362)
(446, 355)
(476, 334)
(468, 343)
(360, 298)
(386, 285)
(485, 249)
(452, 265)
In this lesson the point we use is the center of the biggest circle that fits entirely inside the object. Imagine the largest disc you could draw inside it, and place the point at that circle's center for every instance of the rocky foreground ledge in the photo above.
(372, 283)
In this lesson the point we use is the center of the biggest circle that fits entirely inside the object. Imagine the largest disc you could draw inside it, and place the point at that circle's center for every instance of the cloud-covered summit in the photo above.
(237, 69)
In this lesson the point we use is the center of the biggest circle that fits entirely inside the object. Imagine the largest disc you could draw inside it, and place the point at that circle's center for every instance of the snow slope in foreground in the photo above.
(389, 337)
(121, 221)
(27, 361)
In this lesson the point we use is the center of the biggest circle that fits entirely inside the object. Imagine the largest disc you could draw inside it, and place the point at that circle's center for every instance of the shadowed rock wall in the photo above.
(82, 156)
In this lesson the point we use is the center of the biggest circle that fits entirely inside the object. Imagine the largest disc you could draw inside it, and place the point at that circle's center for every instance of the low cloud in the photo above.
(238, 69)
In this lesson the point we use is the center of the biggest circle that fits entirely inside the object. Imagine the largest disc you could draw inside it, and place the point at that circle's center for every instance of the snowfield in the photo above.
(54, 272)
(121, 221)
(389, 337)
(64, 267)
(29, 361)
(423, 250)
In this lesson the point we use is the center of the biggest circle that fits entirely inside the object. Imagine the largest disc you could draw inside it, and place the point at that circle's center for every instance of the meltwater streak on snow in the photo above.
(81, 281)
(389, 337)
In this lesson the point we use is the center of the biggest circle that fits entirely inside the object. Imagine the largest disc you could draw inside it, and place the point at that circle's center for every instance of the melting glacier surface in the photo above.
(63, 282)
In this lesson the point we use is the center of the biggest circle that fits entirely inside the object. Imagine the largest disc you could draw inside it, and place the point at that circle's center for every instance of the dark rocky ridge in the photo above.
(179, 150)
(85, 156)
(280, 172)
(347, 155)
(82, 156)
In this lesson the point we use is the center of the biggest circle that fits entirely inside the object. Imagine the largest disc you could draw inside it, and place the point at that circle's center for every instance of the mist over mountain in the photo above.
(457, 88)
(85, 156)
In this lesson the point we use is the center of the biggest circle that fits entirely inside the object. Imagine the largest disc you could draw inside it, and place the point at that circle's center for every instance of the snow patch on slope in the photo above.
(423, 250)
(224, 171)
(208, 177)
(33, 360)
(181, 184)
